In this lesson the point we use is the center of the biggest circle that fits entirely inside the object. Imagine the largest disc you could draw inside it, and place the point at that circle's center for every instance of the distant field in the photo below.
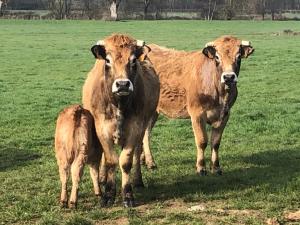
(43, 65)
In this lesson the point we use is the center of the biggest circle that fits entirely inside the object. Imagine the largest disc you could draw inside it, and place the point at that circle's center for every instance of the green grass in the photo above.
(43, 65)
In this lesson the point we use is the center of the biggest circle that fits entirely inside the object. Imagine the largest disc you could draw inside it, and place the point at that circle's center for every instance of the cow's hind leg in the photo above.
(146, 155)
(199, 128)
(64, 174)
(216, 135)
(94, 172)
(102, 171)
(125, 161)
(76, 172)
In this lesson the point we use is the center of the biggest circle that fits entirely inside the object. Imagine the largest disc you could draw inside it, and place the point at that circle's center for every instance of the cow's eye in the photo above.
(132, 60)
(108, 61)
(217, 57)
(238, 57)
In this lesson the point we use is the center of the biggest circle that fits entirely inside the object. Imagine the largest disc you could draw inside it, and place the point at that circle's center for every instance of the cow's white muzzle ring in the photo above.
(229, 77)
(122, 90)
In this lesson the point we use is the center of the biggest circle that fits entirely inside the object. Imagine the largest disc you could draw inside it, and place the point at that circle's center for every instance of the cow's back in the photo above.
(175, 70)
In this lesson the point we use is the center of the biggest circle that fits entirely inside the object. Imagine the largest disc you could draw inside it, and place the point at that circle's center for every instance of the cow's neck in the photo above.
(226, 95)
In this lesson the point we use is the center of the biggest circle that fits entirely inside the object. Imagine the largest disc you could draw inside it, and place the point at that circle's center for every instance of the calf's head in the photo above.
(122, 55)
(228, 52)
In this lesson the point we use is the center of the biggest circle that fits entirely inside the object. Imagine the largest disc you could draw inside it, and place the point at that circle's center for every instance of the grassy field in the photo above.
(43, 65)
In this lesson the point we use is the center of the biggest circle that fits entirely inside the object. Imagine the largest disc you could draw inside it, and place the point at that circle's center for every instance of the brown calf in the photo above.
(76, 144)
(200, 85)
(122, 92)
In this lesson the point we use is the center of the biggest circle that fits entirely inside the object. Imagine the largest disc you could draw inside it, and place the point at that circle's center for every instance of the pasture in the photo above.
(43, 66)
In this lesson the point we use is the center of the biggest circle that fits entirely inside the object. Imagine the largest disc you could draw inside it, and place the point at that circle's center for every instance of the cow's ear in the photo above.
(142, 52)
(247, 50)
(209, 52)
(99, 51)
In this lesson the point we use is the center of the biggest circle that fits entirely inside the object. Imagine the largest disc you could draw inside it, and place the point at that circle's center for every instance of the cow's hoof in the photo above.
(107, 201)
(218, 171)
(202, 172)
(151, 166)
(63, 204)
(138, 184)
(102, 180)
(72, 205)
(128, 203)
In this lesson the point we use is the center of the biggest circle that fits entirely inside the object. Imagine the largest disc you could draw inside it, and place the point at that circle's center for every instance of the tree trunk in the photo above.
(113, 11)
(146, 5)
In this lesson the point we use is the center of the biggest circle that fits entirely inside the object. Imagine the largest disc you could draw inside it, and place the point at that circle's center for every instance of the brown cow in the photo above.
(76, 143)
(122, 92)
(200, 85)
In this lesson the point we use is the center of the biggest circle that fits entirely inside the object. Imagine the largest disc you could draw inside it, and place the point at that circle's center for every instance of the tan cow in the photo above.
(200, 85)
(122, 92)
(76, 144)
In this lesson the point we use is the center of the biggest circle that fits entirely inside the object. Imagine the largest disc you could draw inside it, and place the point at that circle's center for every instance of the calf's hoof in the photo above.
(63, 204)
(202, 173)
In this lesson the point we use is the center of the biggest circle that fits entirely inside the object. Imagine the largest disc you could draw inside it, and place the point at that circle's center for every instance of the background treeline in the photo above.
(154, 9)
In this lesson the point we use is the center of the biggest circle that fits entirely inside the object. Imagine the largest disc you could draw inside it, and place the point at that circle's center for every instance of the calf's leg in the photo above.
(76, 172)
(64, 174)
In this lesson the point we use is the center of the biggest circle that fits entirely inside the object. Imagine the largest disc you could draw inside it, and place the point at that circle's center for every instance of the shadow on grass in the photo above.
(12, 158)
(272, 168)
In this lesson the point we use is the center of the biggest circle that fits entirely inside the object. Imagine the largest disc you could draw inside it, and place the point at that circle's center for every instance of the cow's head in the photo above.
(122, 56)
(228, 52)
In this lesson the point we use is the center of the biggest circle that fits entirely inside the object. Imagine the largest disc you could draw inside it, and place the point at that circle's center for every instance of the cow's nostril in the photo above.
(117, 84)
(127, 84)
(232, 77)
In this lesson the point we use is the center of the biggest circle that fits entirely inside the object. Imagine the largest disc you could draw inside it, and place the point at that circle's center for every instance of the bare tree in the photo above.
(211, 9)
(260, 7)
(89, 8)
(146, 6)
(60, 8)
(3, 5)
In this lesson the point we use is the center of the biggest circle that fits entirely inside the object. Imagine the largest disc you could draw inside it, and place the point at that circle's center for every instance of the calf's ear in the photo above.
(209, 52)
(99, 51)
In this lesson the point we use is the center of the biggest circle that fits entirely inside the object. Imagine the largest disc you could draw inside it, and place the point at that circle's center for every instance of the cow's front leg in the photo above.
(111, 162)
(137, 173)
(125, 162)
(199, 128)
(216, 136)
